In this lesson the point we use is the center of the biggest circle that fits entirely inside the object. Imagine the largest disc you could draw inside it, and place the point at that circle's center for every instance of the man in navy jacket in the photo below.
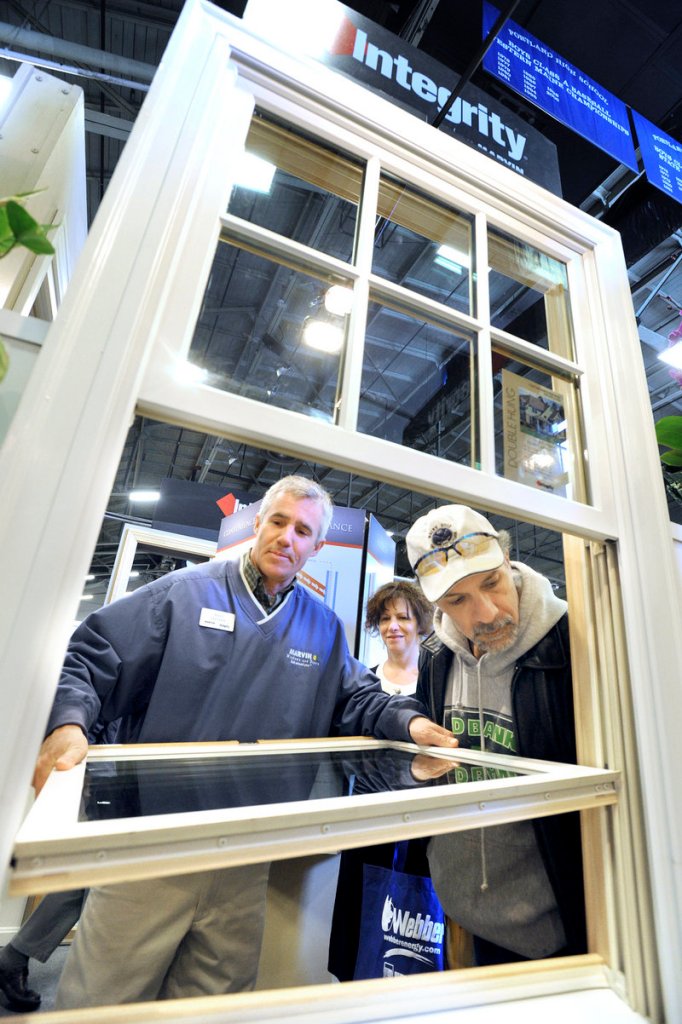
(223, 651)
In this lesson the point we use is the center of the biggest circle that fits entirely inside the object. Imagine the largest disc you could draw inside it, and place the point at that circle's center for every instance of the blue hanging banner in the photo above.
(548, 81)
(662, 156)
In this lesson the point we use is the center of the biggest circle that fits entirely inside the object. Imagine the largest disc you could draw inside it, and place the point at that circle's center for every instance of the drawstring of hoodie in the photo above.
(481, 726)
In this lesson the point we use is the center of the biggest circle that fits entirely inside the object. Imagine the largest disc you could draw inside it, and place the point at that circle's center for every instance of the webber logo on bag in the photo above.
(399, 925)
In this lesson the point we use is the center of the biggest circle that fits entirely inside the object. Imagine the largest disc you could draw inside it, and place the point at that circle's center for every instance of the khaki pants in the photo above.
(167, 938)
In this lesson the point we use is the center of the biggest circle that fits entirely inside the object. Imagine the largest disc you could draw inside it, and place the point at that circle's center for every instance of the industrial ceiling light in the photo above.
(338, 300)
(143, 495)
(323, 336)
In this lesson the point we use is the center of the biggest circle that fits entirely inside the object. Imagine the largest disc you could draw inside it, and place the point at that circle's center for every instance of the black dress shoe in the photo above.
(19, 997)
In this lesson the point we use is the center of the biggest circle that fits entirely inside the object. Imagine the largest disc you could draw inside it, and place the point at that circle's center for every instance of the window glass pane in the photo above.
(423, 245)
(298, 188)
(417, 384)
(529, 294)
(537, 428)
(264, 332)
(131, 788)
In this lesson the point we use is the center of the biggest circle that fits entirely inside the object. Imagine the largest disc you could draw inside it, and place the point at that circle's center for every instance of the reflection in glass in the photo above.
(423, 245)
(537, 428)
(299, 188)
(263, 347)
(529, 294)
(134, 788)
(417, 384)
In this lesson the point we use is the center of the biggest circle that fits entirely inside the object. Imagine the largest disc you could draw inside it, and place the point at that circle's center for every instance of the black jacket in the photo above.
(542, 709)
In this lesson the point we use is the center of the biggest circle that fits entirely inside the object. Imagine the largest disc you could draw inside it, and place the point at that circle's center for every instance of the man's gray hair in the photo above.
(504, 540)
(300, 487)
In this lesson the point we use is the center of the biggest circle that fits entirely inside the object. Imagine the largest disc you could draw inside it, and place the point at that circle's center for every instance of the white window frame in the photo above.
(113, 347)
(55, 851)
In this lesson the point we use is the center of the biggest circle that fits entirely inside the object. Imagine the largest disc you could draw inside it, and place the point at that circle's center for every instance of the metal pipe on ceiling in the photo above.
(13, 36)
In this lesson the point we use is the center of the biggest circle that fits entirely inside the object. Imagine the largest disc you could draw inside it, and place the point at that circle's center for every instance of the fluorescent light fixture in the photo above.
(189, 373)
(90, 577)
(451, 259)
(254, 173)
(133, 574)
(323, 336)
(143, 495)
(672, 355)
(338, 300)
(87, 597)
(300, 27)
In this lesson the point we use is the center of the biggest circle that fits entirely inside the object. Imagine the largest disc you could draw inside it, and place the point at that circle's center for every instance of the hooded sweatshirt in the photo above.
(493, 881)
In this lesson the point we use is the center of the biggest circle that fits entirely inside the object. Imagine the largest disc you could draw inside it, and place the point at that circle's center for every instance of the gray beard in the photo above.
(485, 638)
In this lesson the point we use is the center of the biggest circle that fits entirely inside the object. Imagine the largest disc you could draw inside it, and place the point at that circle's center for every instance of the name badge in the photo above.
(213, 618)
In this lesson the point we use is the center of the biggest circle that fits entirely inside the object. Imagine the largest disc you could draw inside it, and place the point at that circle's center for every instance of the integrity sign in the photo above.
(345, 41)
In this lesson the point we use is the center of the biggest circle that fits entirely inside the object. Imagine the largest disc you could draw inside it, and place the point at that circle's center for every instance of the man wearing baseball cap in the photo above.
(496, 670)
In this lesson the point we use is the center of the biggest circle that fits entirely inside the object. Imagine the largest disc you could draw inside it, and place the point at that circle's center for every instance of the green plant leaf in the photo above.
(7, 239)
(27, 230)
(672, 458)
(669, 431)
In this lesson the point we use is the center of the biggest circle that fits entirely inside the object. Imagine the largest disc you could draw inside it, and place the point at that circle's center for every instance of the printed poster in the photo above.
(535, 434)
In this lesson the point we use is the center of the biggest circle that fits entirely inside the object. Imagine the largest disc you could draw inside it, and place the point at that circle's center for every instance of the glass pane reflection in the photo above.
(129, 788)
(260, 348)
(529, 294)
(310, 194)
(417, 384)
(423, 245)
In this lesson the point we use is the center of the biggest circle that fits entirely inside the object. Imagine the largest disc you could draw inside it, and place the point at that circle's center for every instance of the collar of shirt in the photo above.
(269, 602)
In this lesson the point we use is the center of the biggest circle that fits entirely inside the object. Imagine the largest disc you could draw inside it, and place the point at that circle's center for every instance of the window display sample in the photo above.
(529, 294)
(423, 245)
(283, 800)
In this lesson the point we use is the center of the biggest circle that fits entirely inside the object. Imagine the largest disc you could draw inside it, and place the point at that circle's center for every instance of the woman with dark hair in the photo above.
(402, 616)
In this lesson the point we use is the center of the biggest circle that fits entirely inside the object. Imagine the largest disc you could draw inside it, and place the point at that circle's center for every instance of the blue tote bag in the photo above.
(402, 927)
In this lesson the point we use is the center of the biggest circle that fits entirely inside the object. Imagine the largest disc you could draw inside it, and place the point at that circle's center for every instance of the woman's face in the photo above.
(398, 627)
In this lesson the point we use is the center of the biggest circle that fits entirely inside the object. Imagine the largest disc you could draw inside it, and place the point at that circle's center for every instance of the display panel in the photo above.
(394, 791)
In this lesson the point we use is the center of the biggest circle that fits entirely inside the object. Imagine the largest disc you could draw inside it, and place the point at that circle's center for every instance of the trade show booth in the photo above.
(414, 379)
